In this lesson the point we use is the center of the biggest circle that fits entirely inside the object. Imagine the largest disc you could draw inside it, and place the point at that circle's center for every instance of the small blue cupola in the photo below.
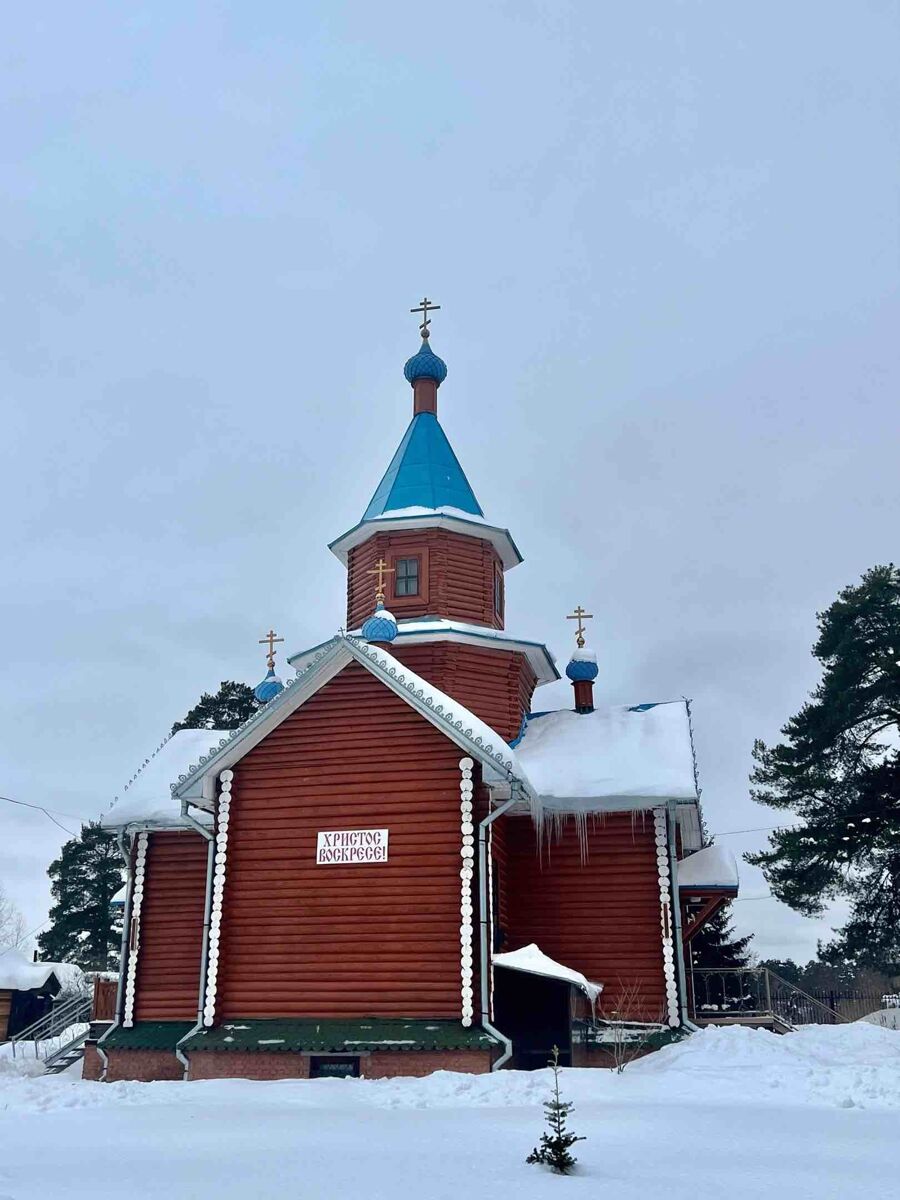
(382, 625)
(268, 688)
(425, 365)
(582, 667)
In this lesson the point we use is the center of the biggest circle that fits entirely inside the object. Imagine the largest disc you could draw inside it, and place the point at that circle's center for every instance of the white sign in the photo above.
(352, 846)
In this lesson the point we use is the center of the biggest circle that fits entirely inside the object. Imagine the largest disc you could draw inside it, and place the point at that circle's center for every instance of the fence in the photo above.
(103, 1005)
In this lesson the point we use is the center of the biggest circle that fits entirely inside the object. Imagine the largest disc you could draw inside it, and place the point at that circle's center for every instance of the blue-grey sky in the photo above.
(665, 239)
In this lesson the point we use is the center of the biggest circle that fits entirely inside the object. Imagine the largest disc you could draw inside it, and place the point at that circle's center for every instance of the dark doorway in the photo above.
(535, 1012)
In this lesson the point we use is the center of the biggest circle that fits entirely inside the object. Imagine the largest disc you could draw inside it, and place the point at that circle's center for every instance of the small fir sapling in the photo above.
(555, 1148)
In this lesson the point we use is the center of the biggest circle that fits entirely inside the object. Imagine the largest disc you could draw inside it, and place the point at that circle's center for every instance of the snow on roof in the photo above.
(712, 867)
(19, 974)
(148, 799)
(421, 510)
(533, 961)
(612, 759)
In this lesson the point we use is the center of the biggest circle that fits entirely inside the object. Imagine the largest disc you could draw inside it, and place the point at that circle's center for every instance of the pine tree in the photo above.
(86, 876)
(230, 707)
(838, 771)
(555, 1148)
(714, 944)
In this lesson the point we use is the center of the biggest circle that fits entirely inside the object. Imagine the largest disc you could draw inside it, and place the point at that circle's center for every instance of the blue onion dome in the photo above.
(582, 666)
(269, 688)
(381, 626)
(425, 365)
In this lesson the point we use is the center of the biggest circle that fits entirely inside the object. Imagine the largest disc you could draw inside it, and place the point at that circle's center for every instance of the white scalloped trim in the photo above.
(665, 915)
(137, 899)
(466, 875)
(215, 921)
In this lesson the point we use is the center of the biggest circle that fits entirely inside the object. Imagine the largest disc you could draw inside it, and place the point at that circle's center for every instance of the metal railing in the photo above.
(755, 994)
(51, 1032)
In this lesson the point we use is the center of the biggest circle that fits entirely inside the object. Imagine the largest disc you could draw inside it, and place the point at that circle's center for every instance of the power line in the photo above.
(46, 811)
(757, 829)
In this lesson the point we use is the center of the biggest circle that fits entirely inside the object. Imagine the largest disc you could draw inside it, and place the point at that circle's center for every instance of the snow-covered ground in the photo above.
(730, 1112)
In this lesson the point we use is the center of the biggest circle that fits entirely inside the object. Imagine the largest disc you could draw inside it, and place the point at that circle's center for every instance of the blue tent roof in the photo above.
(424, 473)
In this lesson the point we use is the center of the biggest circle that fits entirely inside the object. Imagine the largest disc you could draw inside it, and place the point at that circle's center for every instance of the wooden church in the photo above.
(400, 862)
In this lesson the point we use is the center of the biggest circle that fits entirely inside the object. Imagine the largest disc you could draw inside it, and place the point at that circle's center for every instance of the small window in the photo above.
(333, 1067)
(498, 592)
(406, 580)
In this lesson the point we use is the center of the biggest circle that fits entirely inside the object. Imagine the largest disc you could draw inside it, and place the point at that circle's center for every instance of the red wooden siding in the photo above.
(363, 940)
(456, 575)
(168, 974)
(497, 685)
(602, 916)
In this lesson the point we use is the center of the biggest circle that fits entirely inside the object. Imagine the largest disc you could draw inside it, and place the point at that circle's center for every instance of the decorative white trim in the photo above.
(215, 922)
(469, 732)
(134, 935)
(660, 830)
(466, 873)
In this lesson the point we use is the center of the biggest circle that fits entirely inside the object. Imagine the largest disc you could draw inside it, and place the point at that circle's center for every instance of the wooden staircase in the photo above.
(755, 997)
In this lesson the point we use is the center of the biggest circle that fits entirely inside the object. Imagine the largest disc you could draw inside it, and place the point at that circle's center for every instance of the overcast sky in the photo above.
(665, 240)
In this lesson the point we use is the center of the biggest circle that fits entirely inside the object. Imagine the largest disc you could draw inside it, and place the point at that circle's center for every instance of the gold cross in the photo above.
(381, 569)
(578, 615)
(424, 308)
(271, 639)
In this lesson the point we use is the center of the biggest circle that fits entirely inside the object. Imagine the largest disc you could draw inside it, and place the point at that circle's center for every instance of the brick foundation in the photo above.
(142, 1065)
(387, 1065)
(92, 1064)
(237, 1064)
(148, 1065)
(243, 1064)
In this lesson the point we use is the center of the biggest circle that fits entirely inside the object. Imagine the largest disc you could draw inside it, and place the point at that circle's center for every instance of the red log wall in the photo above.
(382, 939)
(456, 574)
(168, 972)
(601, 917)
(496, 685)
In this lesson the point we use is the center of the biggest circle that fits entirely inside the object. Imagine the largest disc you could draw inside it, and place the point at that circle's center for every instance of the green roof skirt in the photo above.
(360, 1036)
(148, 1035)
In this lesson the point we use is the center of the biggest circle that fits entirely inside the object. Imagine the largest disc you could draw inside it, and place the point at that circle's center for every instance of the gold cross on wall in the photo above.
(580, 615)
(424, 308)
(271, 639)
(381, 569)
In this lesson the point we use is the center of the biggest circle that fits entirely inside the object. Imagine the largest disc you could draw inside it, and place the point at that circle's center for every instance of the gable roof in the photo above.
(473, 736)
(424, 473)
